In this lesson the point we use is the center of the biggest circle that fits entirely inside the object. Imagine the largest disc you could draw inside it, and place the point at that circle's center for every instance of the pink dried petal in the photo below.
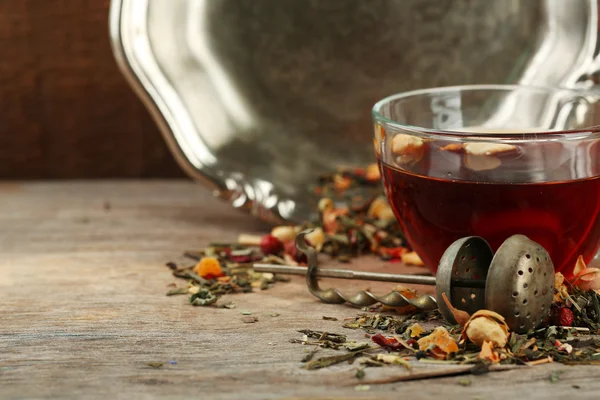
(588, 279)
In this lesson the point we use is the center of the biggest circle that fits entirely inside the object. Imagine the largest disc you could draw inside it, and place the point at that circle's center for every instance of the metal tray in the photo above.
(257, 98)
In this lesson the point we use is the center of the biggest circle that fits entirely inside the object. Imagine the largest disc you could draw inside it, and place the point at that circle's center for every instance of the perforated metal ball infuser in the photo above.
(517, 282)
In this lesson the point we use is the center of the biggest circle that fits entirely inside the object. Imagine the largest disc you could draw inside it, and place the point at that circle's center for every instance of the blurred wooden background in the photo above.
(65, 109)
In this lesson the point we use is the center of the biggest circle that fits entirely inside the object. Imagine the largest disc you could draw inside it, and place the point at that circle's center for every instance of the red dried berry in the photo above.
(564, 317)
(290, 248)
(269, 244)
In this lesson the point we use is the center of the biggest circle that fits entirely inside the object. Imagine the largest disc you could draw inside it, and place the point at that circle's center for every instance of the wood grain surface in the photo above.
(83, 309)
(65, 109)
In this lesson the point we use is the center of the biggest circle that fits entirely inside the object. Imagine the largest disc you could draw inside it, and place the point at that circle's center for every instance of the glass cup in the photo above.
(493, 161)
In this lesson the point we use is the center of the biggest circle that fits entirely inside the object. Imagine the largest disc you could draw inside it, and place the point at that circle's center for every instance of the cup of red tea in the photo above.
(493, 161)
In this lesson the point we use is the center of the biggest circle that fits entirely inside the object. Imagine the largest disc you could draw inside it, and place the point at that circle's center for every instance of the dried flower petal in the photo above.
(461, 317)
(486, 325)
(208, 268)
(561, 291)
(579, 266)
(394, 253)
(566, 347)
(412, 258)
(588, 279)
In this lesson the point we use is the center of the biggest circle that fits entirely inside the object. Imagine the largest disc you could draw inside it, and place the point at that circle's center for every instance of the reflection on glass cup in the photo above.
(493, 161)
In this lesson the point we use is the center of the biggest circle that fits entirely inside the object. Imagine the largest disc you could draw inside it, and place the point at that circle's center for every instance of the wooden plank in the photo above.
(83, 308)
(66, 107)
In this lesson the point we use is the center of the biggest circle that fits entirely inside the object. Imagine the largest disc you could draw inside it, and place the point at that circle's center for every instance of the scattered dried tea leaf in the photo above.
(555, 376)
(362, 388)
(203, 297)
(329, 318)
(310, 355)
(412, 258)
(487, 353)
(249, 319)
(274, 314)
(393, 359)
(155, 365)
(465, 382)
(324, 362)
(177, 291)
(208, 268)
(487, 149)
(320, 335)
(407, 148)
(415, 330)
(486, 326)
(360, 373)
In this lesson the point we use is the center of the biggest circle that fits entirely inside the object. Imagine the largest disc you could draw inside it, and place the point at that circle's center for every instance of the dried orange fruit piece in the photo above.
(407, 148)
(439, 342)
(380, 209)
(372, 173)
(487, 352)
(487, 149)
(415, 330)
(209, 268)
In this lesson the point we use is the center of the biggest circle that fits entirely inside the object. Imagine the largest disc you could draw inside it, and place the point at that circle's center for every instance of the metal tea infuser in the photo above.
(517, 282)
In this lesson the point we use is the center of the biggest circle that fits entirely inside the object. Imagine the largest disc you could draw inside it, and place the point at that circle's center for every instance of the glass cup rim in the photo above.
(592, 132)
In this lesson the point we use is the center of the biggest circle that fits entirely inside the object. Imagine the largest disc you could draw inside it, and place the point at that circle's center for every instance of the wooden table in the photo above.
(83, 308)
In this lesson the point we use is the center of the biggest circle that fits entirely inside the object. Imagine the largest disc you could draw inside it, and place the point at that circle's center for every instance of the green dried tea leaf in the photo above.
(555, 376)
(360, 373)
(177, 291)
(326, 336)
(203, 298)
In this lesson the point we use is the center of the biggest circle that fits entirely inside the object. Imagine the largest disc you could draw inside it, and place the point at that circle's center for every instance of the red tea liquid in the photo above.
(563, 216)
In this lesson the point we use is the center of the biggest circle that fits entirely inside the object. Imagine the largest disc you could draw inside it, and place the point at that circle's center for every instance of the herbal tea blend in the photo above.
(355, 219)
